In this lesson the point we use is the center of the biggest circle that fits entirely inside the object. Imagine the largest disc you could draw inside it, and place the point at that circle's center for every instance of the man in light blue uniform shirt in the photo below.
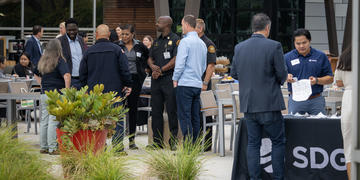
(190, 65)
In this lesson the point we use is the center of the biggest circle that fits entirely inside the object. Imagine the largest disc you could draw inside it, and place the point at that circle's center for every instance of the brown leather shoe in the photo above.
(56, 152)
(44, 151)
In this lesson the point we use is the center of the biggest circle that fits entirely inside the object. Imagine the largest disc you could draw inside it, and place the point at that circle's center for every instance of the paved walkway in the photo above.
(215, 167)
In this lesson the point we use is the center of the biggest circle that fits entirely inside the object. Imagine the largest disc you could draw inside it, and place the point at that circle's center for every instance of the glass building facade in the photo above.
(228, 21)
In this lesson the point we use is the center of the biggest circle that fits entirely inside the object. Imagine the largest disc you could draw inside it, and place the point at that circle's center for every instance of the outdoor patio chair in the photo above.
(226, 94)
(209, 108)
(20, 88)
(225, 86)
(234, 87)
(147, 108)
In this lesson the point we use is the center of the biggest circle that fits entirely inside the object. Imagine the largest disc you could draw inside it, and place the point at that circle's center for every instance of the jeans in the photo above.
(312, 106)
(47, 127)
(188, 107)
(273, 124)
(118, 136)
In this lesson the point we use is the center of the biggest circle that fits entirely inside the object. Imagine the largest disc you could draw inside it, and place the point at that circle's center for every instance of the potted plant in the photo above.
(84, 117)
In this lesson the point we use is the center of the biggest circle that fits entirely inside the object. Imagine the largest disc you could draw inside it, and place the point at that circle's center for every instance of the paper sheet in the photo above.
(301, 90)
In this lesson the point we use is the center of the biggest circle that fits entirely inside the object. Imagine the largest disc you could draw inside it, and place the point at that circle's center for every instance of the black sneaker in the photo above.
(173, 147)
(133, 146)
(121, 153)
(153, 147)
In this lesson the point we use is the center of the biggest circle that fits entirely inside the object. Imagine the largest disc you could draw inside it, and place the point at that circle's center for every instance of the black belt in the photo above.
(75, 77)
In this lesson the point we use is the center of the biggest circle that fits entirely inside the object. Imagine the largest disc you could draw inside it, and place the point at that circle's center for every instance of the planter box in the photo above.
(84, 139)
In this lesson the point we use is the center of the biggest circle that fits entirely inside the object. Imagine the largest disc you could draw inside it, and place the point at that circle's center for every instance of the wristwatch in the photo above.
(316, 80)
(205, 83)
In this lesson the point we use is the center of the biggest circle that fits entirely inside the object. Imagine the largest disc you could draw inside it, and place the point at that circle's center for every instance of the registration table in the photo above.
(11, 105)
(314, 150)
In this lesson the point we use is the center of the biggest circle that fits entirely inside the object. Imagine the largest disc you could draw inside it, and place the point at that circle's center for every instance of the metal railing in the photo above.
(50, 33)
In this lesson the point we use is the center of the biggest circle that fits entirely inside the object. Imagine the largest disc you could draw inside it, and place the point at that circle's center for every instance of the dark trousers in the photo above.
(188, 106)
(119, 131)
(118, 136)
(75, 82)
(132, 101)
(208, 137)
(162, 91)
(273, 124)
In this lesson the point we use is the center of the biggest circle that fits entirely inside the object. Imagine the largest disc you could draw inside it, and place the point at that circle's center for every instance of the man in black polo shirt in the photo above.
(162, 62)
(211, 61)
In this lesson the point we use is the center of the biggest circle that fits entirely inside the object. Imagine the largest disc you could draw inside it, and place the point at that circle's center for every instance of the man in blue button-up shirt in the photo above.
(305, 62)
(189, 67)
(73, 48)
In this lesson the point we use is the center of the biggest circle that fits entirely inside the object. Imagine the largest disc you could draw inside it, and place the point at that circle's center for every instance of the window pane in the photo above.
(243, 19)
(243, 4)
(257, 4)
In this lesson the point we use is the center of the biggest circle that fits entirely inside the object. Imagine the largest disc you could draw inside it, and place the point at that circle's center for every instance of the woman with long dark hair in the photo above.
(54, 75)
(343, 78)
(148, 40)
(24, 67)
(137, 54)
(118, 32)
(114, 38)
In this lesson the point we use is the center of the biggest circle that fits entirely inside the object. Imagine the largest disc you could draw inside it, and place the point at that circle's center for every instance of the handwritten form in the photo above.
(301, 90)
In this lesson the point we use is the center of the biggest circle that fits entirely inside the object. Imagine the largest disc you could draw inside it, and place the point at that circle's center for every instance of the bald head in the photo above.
(166, 19)
(164, 23)
(102, 32)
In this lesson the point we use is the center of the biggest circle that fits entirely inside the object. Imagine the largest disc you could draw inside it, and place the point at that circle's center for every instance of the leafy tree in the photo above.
(48, 13)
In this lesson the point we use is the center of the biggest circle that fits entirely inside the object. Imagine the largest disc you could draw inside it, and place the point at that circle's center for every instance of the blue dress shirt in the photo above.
(190, 63)
(39, 44)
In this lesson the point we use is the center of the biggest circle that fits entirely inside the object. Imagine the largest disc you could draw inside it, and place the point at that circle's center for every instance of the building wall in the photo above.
(315, 21)
(140, 13)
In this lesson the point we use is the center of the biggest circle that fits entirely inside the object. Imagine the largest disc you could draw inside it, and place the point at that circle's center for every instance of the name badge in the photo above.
(138, 54)
(167, 55)
(295, 62)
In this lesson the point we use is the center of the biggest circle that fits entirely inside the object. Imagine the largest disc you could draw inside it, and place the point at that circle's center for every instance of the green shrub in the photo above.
(19, 160)
(183, 164)
(105, 164)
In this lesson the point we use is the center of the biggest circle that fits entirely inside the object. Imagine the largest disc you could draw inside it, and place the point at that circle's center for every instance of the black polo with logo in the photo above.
(160, 49)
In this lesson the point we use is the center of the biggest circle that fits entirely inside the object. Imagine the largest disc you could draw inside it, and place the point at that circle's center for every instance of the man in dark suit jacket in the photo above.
(33, 46)
(73, 48)
(105, 63)
(259, 66)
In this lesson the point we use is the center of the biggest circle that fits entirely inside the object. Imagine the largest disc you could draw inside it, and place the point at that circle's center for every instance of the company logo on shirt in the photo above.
(312, 60)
